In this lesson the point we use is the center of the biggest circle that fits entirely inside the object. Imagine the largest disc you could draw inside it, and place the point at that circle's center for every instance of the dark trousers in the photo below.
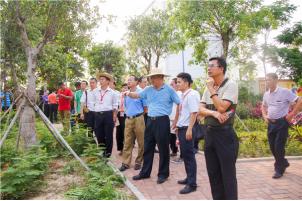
(157, 132)
(120, 132)
(53, 112)
(89, 120)
(221, 150)
(46, 109)
(173, 146)
(188, 155)
(103, 122)
(277, 136)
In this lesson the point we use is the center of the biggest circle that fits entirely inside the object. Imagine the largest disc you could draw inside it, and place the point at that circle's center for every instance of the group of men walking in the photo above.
(141, 115)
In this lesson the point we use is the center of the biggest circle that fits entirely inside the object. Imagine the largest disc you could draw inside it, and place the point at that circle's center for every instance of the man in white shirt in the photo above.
(188, 108)
(87, 105)
(106, 105)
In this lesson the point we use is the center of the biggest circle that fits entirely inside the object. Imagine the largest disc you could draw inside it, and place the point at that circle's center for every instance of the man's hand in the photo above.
(189, 134)
(126, 93)
(265, 118)
(82, 116)
(221, 117)
(210, 83)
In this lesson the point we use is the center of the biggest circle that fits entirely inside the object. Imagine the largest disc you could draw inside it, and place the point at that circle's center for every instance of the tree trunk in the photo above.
(157, 61)
(27, 119)
(225, 45)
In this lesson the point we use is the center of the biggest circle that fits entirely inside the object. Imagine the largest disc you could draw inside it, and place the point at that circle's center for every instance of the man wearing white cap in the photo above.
(160, 98)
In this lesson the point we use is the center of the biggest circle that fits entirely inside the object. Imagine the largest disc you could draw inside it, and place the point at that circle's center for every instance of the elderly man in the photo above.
(275, 108)
(160, 98)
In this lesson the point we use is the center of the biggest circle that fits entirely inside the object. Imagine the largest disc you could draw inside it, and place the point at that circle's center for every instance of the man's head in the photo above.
(272, 80)
(93, 83)
(84, 84)
(104, 81)
(184, 81)
(77, 85)
(217, 66)
(112, 84)
(124, 87)
(157, 80)
(132, 81)
(173, 83)
(142, 82)
(61, 85)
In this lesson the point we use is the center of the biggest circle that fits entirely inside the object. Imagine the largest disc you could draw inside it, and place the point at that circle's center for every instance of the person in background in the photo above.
(121, 118)
(160, 98)
(77, 99)
(87, 105)
(106, 105)
(294, 89)
(65, 96)
(173, 137)
(275, 111)
(188, 109)
(218, 105)
(6, 98)
(45, 103)
(134, 127)
(53, 106)
(142, 82)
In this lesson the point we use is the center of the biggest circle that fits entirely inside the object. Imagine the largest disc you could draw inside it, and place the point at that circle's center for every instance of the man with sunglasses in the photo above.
(218, 106)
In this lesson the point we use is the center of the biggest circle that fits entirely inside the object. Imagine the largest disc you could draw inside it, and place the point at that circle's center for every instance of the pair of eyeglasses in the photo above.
(212, 65)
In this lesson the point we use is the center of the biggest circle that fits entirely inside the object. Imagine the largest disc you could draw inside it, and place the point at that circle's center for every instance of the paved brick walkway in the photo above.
(254, 181)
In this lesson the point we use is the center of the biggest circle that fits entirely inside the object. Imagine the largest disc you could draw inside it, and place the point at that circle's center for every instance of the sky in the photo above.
(123, 10)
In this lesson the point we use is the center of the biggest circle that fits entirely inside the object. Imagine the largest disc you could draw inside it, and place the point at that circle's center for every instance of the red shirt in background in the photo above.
(52, 98)
(64, 103)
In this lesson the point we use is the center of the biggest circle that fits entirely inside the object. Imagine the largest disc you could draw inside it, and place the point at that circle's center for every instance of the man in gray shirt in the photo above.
(275, 108)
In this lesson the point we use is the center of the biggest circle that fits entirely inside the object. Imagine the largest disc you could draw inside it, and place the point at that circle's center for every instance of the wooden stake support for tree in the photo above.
(49, 125)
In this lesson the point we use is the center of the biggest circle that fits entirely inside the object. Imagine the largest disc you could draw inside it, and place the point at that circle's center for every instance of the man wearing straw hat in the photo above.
(105, 113)
(160, 98)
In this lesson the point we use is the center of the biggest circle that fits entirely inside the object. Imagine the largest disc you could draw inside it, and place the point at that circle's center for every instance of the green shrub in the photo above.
(102, 182)
(24, 173)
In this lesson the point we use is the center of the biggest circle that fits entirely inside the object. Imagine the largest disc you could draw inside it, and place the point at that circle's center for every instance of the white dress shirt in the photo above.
(105, 100)
(189, 104)
(90, 99)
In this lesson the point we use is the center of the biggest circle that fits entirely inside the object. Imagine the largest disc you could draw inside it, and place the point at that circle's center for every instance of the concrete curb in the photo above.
(134, 190)
(244, 160)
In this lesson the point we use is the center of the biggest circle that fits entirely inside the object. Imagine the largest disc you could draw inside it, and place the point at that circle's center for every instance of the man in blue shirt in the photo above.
(6, 98)
(134, 127)
(160, 98)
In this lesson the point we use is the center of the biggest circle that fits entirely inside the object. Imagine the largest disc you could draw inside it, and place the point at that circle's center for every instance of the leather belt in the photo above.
(132, 117)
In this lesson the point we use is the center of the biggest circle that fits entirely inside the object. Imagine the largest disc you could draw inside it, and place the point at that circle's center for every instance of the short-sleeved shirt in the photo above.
(6, 100)
(105, 100)
(77, 98)
(228, 91)
(134, 106)
(159, 101)
(278, 102)
(189, 103)
(64, 103)
(90, 99)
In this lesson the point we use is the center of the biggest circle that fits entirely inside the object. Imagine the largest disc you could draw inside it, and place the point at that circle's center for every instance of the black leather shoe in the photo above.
(277, 175)
(137, 166)
(139, 177)
(123, 167)
(161, 180)
(187, 189)
(183, 182)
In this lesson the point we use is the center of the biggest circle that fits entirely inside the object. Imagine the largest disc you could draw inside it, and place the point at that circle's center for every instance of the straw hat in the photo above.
(104, 74)
(157, 71)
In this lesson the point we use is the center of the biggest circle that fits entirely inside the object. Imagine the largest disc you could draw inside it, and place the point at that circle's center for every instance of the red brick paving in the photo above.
(254, 181)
